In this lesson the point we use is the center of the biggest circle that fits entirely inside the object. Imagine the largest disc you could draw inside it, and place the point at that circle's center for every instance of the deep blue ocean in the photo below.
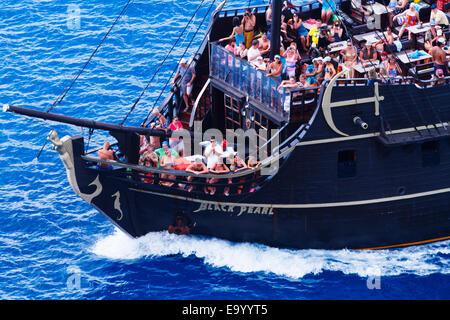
(53, 245)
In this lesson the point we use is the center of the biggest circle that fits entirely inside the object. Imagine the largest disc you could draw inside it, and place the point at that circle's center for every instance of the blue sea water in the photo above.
(55, 246)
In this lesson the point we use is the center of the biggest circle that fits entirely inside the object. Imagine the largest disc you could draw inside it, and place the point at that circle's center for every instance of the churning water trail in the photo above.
(247, 257)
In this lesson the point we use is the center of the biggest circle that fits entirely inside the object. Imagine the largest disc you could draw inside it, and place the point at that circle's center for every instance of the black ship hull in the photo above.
(264, 216)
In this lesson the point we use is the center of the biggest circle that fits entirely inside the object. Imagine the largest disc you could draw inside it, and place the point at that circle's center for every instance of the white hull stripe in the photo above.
(306, 205)
(370, 135)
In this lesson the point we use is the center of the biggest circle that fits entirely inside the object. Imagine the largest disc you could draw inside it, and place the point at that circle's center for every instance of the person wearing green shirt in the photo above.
(162, 151)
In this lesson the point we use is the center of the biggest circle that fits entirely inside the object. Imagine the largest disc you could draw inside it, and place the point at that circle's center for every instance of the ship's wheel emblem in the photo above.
(117, 204)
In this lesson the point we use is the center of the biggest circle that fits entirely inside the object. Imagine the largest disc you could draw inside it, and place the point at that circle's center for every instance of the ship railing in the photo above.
(233, 185)
(266, 162)
(430, 74)
(434, 82)
(237, 182)
(242, 76)
(301, 8)
(353, 82)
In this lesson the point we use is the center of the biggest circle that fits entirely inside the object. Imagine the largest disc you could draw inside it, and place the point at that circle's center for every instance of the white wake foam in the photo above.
(246, 257)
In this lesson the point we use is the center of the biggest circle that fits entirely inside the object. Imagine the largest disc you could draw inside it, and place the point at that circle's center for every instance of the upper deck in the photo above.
(255, 89)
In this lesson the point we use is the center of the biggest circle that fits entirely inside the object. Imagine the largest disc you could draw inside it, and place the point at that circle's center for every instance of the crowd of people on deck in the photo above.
(315, 50)
(170, 155)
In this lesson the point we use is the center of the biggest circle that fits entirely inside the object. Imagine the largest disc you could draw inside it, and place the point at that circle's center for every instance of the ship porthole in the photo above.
(401, 191)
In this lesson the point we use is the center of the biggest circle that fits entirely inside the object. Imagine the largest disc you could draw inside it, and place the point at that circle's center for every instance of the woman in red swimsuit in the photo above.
(412, 18)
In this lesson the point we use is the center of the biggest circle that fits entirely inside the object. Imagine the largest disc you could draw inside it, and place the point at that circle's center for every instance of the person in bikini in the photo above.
(161, 152)
(439, 56)
(275, 67)
(319, 70)
(148, 159)
(198, 167)
(291, 56)
(160, 121)
(393, 69)
(396, 9)
(349, 55)
(219, 168)
(330, 71)
(237, 34)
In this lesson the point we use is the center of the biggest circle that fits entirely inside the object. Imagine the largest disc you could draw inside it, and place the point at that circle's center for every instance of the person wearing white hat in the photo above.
(187, 75)
(368, 53)
(318, 71)
(260, 64)
(275, 67)
(330, 71)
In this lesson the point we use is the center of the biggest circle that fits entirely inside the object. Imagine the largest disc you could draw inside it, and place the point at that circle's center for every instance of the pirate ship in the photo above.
(350, 164)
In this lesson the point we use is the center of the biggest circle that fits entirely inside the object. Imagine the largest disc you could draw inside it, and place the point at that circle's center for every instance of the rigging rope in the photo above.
(66, 90)
(161, 64)
(176, 67)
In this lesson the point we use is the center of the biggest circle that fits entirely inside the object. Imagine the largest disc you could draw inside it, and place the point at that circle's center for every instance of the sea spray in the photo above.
(248, 257)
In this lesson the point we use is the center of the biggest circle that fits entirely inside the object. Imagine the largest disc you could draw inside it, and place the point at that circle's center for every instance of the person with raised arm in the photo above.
(105, 154)
(249, 23)
(237, 34)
